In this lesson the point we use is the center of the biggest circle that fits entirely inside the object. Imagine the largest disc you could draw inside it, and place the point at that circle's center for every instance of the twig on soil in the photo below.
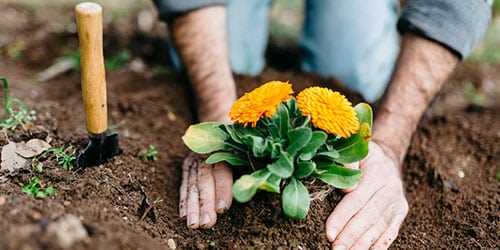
(322, 193)
(146, 208)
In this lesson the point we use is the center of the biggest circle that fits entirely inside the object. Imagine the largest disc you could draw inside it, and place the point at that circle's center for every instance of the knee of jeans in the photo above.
(366, 72)
(246, 62)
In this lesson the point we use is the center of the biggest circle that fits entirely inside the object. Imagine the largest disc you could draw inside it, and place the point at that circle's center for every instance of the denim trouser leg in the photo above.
(355, 41)
(247, 22)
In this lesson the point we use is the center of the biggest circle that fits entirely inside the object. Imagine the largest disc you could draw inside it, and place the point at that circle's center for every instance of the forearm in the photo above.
(200, 40)
(422, 68)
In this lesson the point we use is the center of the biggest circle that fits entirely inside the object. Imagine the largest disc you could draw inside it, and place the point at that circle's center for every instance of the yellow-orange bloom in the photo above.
(329, 111)
(262, 101)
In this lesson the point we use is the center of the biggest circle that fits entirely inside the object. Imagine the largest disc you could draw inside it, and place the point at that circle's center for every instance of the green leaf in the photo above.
(304, 169)
(256, 143)
(295, 200)
(284, 124)
(283, 167)
(292, 107)
(340, 177)
(352, 149)
(205, 138)
(333, 154)
(298, 138)
(318, 138)
(275, 150)
(364, 113)
(267, 181)
(230, 158)
(233, 133)
(245, 188)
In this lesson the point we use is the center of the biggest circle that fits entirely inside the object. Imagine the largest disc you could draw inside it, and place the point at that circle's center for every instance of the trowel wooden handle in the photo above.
(89, 22)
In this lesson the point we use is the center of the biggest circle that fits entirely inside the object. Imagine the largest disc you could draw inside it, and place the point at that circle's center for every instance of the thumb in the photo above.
(354, 165)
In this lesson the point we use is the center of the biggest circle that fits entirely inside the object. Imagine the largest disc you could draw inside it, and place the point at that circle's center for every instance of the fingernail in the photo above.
(339, 247)
(221, 206)
(205, 220)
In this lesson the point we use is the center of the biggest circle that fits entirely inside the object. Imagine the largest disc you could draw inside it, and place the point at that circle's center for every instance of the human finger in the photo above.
(363, 220)
(193, 203)
(206, 188)
(223, 176)
(183, 190)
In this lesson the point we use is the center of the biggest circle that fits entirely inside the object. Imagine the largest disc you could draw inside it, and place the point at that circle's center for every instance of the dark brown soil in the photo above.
(446, 211)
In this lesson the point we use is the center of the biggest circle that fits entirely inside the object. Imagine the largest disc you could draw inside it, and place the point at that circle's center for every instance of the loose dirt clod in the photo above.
(68, 230)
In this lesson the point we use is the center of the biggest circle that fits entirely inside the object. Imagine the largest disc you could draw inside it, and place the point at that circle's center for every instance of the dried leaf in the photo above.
(31, 148)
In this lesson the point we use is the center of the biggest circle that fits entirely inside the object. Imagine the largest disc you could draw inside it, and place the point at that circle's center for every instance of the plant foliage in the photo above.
(149, 154)
(65, 156)
(34, 189)
(15, 112)
(283, 151)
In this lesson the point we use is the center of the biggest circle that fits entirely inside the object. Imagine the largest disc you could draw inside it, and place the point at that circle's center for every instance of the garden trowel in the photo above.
(102, 145)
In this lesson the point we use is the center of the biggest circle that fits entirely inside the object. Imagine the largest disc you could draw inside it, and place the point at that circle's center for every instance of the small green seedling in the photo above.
(472, 95)
(16, 113)
(117, 61)
(65, 156)
(34, 189)
(149, 154)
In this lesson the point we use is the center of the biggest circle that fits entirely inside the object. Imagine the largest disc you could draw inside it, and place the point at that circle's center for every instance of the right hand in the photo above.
(204, 192)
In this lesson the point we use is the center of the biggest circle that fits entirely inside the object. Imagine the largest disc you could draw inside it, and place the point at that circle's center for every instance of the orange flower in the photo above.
(262, 101)
(329, 111)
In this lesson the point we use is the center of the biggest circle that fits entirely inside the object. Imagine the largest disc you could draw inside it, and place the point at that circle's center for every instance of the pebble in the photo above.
(67, 230)
(171, 244)
(461, 174)
(171, 116)
(2, 200)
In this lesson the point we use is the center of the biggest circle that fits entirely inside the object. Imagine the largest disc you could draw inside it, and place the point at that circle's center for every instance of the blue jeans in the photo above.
(355, 41)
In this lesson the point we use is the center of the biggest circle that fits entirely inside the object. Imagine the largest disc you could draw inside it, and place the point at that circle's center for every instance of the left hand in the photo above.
(370, 216)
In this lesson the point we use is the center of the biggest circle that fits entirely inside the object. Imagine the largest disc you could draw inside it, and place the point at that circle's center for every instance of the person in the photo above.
(371, 46)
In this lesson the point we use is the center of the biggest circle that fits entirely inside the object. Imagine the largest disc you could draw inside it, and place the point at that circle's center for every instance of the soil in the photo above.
(450, 170)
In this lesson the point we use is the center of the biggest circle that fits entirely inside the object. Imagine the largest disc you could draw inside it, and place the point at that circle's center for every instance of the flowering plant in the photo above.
(284, 139)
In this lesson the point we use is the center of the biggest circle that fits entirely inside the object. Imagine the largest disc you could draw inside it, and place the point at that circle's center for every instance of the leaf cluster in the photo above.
(34, 189)
(16, 113)
(65, 156)
(149, 154)
(282, 151)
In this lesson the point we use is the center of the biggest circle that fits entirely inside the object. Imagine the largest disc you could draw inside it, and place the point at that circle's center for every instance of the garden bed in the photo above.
(450, 171)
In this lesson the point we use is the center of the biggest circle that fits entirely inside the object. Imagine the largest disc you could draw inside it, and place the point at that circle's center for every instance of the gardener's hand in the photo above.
(371, 214)
(204, 192)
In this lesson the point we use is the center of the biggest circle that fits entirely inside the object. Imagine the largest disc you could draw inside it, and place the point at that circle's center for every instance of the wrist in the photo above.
(393, 131)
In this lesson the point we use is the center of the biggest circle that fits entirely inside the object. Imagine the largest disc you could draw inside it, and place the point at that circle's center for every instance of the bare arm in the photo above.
(371, 215)
(200, 39)
(422, 68)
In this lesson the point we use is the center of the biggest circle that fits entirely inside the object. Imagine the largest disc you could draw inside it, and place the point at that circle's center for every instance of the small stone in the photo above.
(461, 174)
(36, 215)
(3, 200)
(67, 230)
(66, 203)
(171, 244)
(137, 65)
(11, 161)
(171, 116)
